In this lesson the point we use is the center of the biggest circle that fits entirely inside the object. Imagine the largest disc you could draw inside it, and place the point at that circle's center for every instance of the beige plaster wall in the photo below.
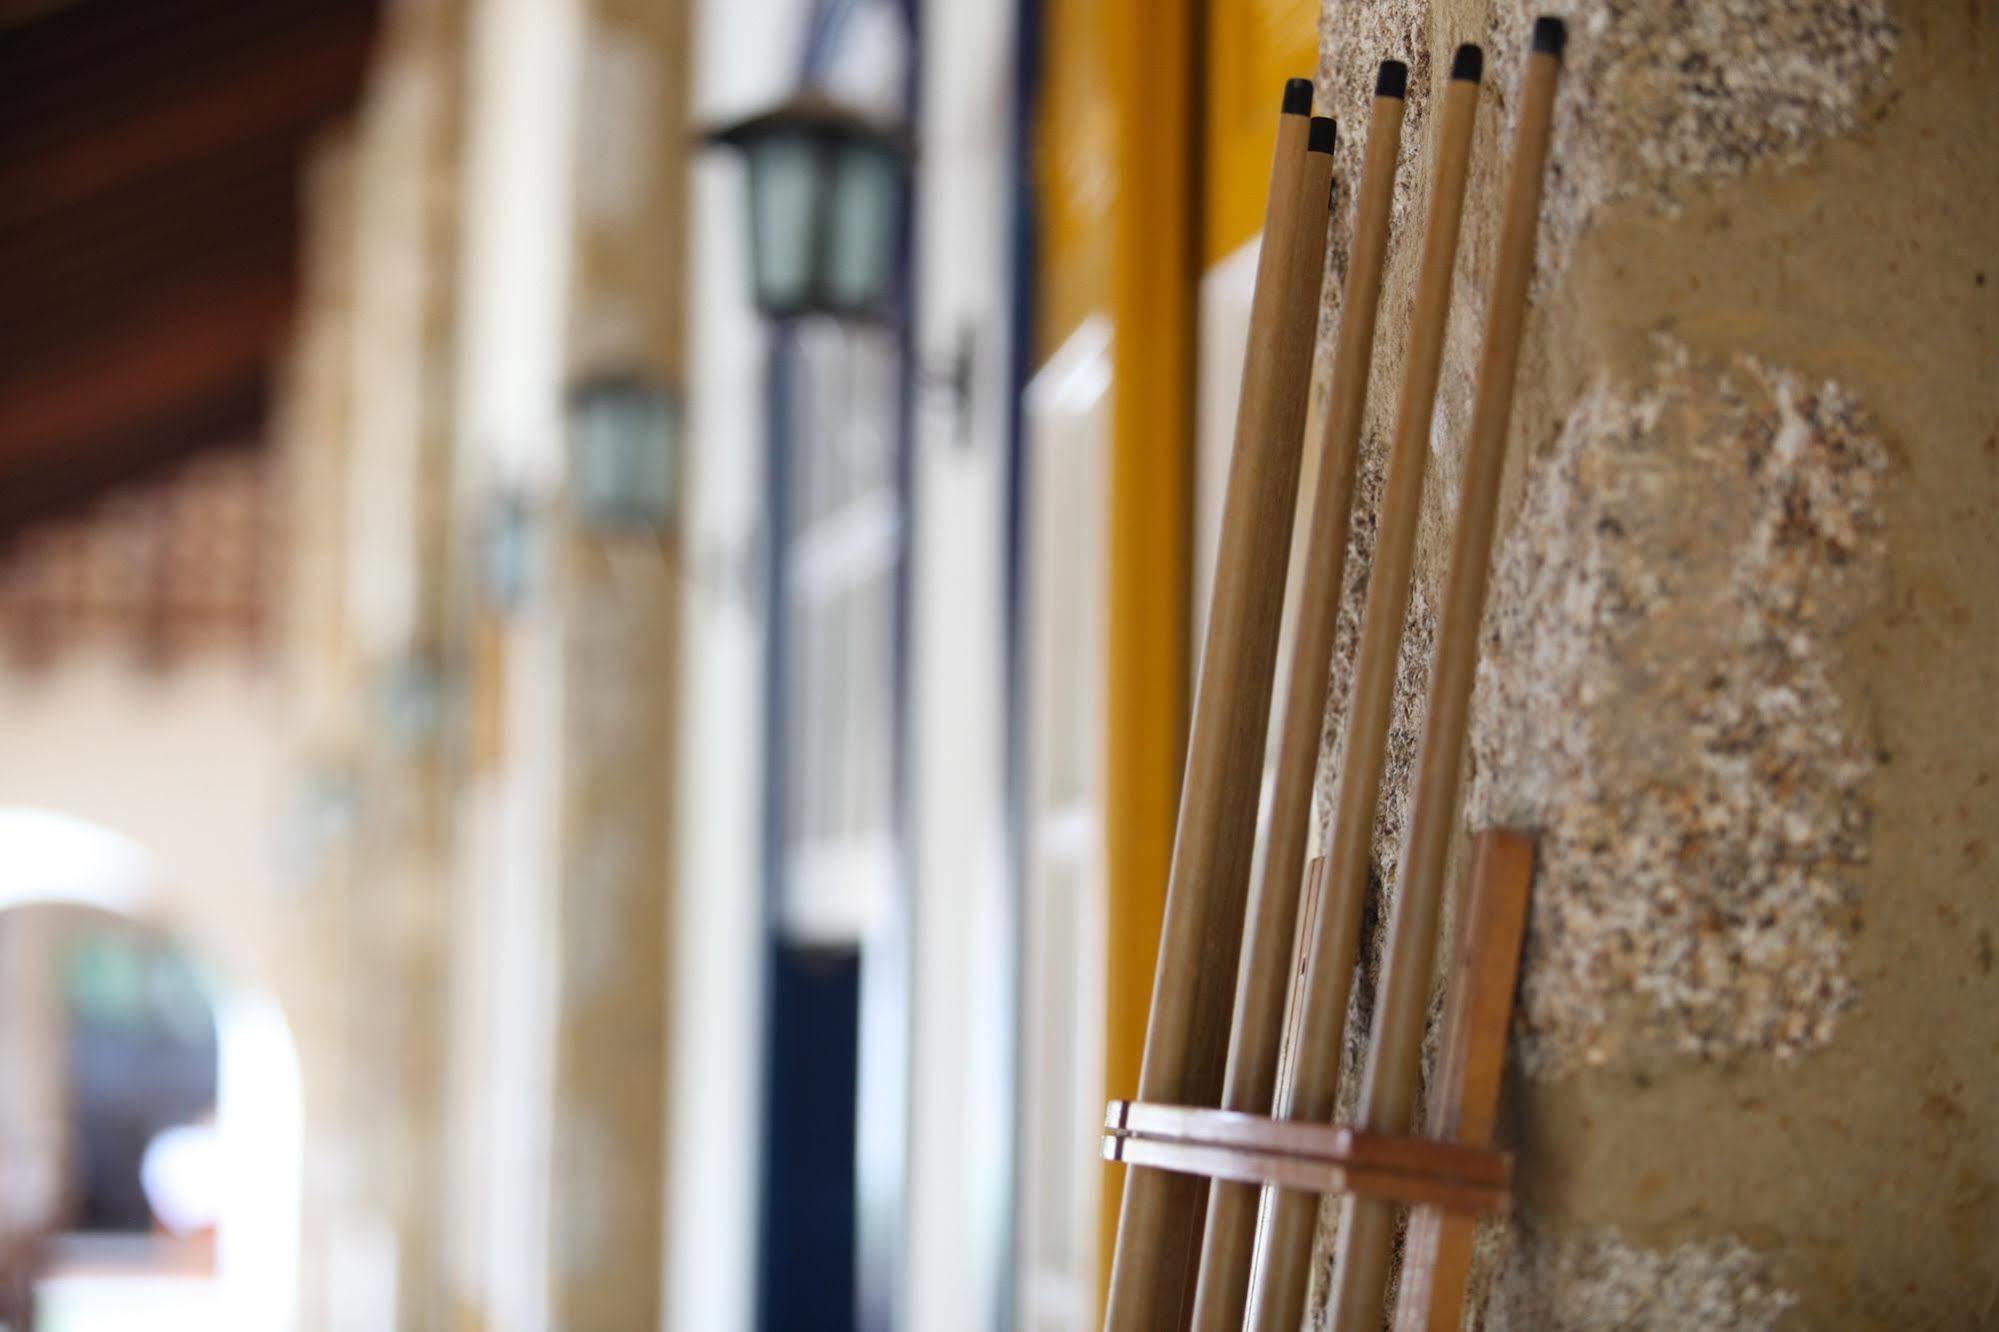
(1739, 650)
(619, 595)
(187, 763)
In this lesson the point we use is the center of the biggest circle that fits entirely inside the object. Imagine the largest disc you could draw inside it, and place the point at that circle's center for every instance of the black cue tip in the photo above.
(1297, 97)
(1468, 64)
(1550, 35)
(1393, 80)
(1321, 135)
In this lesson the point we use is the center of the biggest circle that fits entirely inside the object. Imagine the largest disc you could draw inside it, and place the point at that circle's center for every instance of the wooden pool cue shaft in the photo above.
(1395, 1046)
(1285, 1247)
(1186, 1038)
(1264, 977)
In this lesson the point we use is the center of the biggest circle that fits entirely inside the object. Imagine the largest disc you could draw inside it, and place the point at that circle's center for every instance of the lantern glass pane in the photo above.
(867, 196)
(506, 555)
(784, 170)
(624, 459)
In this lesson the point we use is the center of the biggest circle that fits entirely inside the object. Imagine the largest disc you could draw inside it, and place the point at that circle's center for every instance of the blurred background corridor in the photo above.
(598, 601)
(540, 758)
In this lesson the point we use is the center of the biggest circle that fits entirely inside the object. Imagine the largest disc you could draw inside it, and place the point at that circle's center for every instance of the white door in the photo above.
(1062, 1057)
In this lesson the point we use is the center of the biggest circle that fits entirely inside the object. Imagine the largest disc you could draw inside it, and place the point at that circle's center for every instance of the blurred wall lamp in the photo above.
(509, 556)
(624, 453)
(827, 187)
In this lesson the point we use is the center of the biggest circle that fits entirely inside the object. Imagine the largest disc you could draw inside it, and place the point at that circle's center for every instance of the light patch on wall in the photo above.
(48, 856)
(615, 142)
(1659, 698)
(600, 1194)
(606, 873)
(1578, 1283)
(1661, 95)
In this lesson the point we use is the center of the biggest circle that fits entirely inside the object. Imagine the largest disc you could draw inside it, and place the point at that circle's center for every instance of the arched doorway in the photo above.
(150, 1125)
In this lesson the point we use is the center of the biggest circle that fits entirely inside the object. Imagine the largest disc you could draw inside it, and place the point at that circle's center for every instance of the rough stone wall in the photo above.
(1738, 653)
(606, 1209)
(1658, 700)
(619, 604)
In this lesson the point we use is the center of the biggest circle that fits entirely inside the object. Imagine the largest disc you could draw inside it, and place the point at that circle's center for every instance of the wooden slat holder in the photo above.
(1471, 1056)
(1450, 1176)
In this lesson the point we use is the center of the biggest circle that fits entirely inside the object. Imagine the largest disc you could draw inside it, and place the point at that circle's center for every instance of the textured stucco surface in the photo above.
(613, 935)
(1665, 97)
(1739, 649)
(1657, 698)
(1583, 1282)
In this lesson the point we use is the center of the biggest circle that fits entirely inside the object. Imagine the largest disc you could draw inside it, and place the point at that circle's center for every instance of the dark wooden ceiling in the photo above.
(150, 168)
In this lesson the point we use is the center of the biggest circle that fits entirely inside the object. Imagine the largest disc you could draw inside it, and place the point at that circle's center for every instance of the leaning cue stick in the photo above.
(1263, 980)
(1395, 1046)
(1285, 1246)
(1186, 1037)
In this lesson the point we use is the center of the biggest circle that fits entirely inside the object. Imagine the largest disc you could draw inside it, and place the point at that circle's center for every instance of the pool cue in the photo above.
(1263, 981)
(1186, 1037)
(1284, 1247)
(1395, 1046)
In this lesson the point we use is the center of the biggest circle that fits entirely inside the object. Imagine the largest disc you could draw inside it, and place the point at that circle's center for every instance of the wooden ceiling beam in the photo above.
(127, 53)
(19, 13)
(103, 261)
(209, 201)
(55, 322)
(226, 413)
(150, 153)
(213, 338)
(287, 93)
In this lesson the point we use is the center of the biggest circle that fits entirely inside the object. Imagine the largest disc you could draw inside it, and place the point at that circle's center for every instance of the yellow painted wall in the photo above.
(1152, 151)
(1250, 48)
(1115, 154)
(1076, 175)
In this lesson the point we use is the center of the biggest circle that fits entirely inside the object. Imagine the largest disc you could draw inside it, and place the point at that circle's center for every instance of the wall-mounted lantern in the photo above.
(827, 186)
(624, 453)
(507, 546)
(321, 818)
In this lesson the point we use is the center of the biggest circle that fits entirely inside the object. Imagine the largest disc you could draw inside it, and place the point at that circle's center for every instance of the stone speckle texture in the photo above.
(1754, 1080)
(1661, 96)
(1656, 696)
(1596, 1280)
(612, 931)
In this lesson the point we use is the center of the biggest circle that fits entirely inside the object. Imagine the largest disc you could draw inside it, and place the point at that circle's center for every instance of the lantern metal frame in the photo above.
(656, 422)
(507, 538)
(838, 137)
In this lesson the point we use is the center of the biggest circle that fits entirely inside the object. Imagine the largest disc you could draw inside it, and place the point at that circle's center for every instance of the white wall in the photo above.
(746, 54)
(962, 1002)
(189, 763)
(171, 785)
(514, 302)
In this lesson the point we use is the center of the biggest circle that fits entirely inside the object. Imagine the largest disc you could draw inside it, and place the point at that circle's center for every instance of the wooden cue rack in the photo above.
(1450, 1173)
(1450, 1177)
